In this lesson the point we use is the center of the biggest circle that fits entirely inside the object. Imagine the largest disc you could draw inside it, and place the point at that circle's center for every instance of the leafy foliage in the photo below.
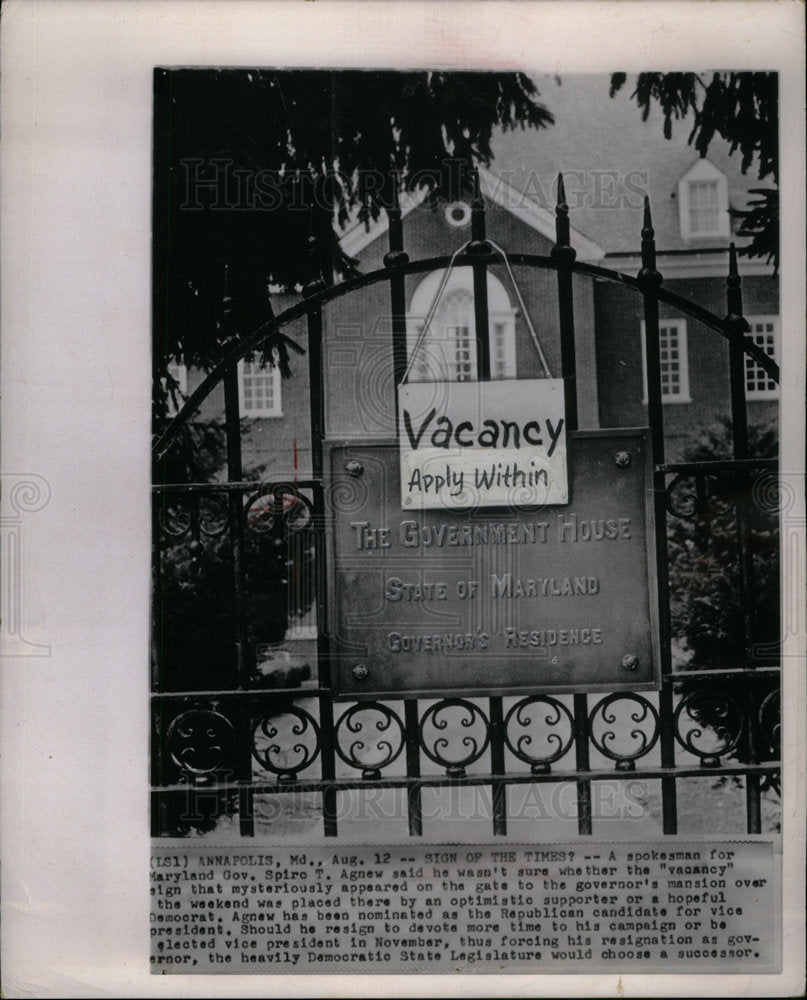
(760, 222)
(705, 583)
(198, 613)
(250, 164)
(741, 108)
(704, 555)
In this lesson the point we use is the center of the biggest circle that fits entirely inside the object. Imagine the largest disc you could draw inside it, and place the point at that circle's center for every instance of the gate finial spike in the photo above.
(479, 242)
(561, 192)
(736, 327)
(647, 220)
(734, 291)
(733, 272)
(648, 270)
(563, 238)
(226, 313)
(476, 197)
(396, 254)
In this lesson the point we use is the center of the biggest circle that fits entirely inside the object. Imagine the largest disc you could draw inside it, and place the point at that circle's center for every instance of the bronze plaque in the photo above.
(494, 600)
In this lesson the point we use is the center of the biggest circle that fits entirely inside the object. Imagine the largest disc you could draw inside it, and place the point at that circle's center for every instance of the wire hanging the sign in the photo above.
(432, 309)
(439, 294)
(527, 320)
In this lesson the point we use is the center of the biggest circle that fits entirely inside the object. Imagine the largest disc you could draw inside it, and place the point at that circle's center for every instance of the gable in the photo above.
(498, 195)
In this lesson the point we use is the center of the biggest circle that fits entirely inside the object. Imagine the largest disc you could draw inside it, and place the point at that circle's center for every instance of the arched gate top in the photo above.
(640, 284)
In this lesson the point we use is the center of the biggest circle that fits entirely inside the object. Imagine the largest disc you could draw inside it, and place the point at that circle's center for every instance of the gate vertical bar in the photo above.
(737, 327)
(156, 728)
(582, 763)
(235, 475)
(395, 257)
(498, 788)
(479, 245)
(244, 664)
(565, 254)
(651, 280)
(158, 505)
(316, 381)
(244, 656)
(413, 795)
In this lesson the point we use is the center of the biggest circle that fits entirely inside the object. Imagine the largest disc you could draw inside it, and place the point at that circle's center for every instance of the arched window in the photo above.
(448, 351)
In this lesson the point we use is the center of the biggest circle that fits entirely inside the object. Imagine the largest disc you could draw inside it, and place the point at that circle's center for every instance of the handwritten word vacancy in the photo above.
(482, 443)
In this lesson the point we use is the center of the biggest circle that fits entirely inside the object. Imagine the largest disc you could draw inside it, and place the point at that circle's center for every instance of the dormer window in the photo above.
(703, 202)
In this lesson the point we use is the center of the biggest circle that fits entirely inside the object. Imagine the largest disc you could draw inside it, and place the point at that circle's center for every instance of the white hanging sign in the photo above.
(482, 444)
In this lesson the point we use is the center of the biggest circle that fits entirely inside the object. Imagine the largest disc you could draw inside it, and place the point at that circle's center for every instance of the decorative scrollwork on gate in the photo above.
(545, 722)
(716, 723)
(770, 719)
(201, 742)
(694, 494)
(175, 519)
(624, 727)
(195, 515)
(276, 508)
(369, 736)
(454, 751)
(213, 516)
(680, 496)
(286, 742)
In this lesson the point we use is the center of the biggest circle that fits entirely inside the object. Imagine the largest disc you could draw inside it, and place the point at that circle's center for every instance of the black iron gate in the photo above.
(219, 742)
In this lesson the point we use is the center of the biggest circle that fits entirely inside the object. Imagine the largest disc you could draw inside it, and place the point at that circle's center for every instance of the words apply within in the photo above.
(482, 444)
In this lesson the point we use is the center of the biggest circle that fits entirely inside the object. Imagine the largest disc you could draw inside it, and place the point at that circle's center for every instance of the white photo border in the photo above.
(76, 313)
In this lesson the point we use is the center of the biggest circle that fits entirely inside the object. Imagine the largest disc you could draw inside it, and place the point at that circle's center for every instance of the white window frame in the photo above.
(501, 325)
(460, 351)
(751, 365)
(703, 172)
(270, 371)
(682, 396)
(502, 329)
